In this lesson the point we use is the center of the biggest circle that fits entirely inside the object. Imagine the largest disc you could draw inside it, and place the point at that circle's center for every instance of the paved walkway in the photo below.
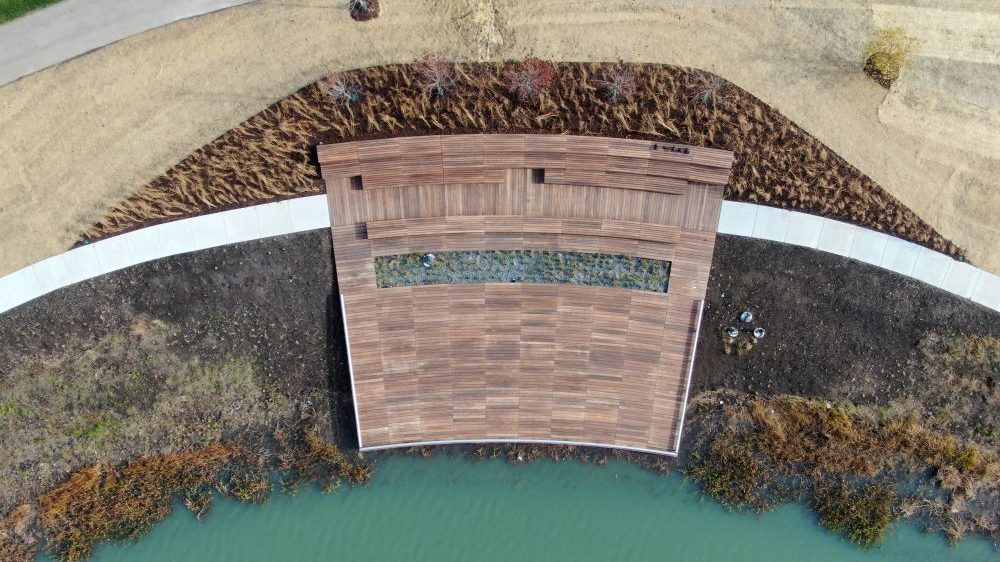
(309, 213)
(74, 27)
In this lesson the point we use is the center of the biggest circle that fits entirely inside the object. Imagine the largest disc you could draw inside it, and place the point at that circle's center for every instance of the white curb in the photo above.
(310, 213)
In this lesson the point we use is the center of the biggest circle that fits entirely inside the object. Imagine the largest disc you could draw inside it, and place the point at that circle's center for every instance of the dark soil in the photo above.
(271, 301)
(362, 14)
(836, 328)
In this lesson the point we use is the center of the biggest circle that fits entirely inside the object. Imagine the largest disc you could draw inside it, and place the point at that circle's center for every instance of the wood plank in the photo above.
(522, 361)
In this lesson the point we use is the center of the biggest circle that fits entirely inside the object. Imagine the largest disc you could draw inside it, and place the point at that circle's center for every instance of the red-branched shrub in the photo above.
(436, 76)
(530, 78)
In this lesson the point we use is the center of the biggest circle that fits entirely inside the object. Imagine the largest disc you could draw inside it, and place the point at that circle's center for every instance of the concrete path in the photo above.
(74, 27)
(309, 213)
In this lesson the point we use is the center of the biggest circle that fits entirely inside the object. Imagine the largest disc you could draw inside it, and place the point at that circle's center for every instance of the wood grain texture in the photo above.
(510, 361)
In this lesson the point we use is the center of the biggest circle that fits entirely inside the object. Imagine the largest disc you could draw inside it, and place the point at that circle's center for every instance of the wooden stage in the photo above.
(515, 362)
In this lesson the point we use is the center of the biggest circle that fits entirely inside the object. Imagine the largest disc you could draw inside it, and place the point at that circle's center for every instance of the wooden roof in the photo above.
(522, 362)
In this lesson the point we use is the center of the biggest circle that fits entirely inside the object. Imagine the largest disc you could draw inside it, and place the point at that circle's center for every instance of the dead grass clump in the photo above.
(271, 155)
(862, 515)
(962, 392)
(122, 502)
(735, 476)
(309, 458)
(530, 78)
(17, 538)
(755, 445)
(888, 52)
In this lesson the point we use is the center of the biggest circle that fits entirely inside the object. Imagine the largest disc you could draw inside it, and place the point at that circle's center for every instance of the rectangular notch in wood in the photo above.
(538, 175)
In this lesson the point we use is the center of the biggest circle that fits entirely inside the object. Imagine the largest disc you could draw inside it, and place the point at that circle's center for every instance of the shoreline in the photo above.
(221, 304)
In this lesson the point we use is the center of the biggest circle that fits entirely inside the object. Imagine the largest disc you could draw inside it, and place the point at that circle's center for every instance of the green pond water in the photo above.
(447, 509)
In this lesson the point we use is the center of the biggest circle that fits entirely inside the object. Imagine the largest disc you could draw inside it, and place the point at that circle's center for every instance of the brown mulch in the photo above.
(271, 156)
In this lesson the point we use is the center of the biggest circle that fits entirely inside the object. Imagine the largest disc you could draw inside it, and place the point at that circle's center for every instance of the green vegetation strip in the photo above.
(522, 266)
(10, 9)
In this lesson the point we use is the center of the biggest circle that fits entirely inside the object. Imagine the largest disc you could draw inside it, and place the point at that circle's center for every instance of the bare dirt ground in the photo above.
(79, 137)
(234, 344)
(225, 345)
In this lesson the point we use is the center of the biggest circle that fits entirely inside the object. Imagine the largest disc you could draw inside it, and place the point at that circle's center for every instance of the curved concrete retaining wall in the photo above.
(309, 213)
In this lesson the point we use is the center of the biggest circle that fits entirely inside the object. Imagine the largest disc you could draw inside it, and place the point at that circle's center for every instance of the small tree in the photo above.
(617, 82)
(363, 10)
(530, 78)
(888, 52)
(437, 77)
(341, 88)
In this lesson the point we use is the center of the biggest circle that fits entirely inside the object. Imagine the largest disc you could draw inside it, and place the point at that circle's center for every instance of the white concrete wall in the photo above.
(862, 244)
(309, 213)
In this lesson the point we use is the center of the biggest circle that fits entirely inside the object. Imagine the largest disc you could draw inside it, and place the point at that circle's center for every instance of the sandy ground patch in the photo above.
(79, 137)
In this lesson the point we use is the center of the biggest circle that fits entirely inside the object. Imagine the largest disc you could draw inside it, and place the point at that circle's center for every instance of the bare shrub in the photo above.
(341, 88)
(436, 76)
(364, 10)
(710, 89)
(529, 78)
(888, 52)
(617, 82)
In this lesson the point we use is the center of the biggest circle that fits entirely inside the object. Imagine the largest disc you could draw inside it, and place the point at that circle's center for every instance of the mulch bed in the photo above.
(272, 155)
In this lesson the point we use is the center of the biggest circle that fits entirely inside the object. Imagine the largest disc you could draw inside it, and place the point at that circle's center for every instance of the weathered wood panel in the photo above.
(522, 361)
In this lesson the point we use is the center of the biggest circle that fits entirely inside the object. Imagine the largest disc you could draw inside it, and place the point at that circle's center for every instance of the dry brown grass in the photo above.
(129, 395)
(759, 446)
(271, 155)
(122, 502)
(18, 539)
(961, 392)
(312, 459)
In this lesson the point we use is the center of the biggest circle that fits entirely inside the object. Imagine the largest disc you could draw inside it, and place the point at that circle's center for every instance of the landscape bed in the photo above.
(522, 266)
(848, 347)
(272, 155)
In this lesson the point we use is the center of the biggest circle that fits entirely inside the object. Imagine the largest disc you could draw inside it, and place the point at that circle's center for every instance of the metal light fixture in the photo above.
(746, 317)
(732, 332)
(759, 333)
(429, 260)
